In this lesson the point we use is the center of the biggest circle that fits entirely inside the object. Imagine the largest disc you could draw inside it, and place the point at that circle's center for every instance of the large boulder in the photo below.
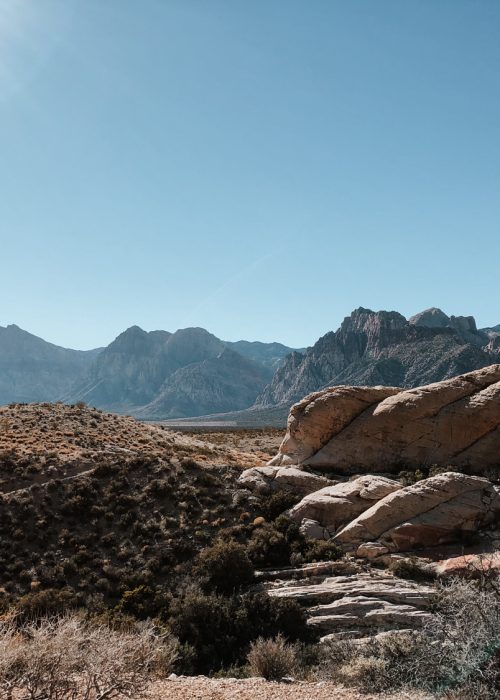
(334, 506)
(266, 480)
(431, 512)
(313, 421)
(358, 429)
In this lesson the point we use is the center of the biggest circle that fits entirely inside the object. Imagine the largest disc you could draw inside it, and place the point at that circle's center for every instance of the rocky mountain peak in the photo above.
(430, 318)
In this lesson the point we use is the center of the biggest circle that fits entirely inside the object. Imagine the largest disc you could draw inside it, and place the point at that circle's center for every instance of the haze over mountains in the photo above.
(155, 374)
(191, 372)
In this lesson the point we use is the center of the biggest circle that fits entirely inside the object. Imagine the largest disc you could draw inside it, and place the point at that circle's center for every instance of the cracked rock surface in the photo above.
(431, 512)
(334, 506)
(358, 605)
(352, 430)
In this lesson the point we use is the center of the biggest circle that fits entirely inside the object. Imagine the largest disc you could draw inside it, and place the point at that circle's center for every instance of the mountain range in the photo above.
(163, 375)
(152, 375)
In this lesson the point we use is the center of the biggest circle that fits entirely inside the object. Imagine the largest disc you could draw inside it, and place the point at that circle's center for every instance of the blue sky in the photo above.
(256, 167)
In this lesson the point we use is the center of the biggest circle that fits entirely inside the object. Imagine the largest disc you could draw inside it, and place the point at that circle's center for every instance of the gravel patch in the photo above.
(201, 688)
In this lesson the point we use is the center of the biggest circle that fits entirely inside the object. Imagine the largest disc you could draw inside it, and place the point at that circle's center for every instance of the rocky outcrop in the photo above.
(266, 480)
(454, 422)
(334, 506)
(359, 605)
(383, 348)
(431, 512)
(313, 421)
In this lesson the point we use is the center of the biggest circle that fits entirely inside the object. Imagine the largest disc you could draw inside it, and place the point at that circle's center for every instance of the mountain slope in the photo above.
(32, 369)
(270, 355)
(132, 369)
(383, 347)
(172, 375)
(228, 382)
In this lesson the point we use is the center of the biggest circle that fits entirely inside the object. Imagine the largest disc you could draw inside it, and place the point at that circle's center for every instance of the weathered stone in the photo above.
(312, 530)
(371, 550)
(431, 512)
(361, 604)
(312, 422)
(267, 479)
(333, 506)
(454, 422)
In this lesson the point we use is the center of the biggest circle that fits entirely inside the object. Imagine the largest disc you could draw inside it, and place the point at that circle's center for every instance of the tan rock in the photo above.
(314, 420)
(361, 604)
(431, 512)
(371, 550)
(268, 479)
(354, 429)
(312, 530)
(333, 506)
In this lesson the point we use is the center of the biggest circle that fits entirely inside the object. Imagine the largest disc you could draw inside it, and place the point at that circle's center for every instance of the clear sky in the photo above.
(255, 167)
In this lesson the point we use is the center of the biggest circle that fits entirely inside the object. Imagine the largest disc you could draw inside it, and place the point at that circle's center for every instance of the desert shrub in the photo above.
(62, 658)
(273, 659)
(411, 568)
(46, 603)
(321, 550)
(141, 602)
(277, 503)
(459, 649)
(269, 547)
(224, 567)
(218, 630)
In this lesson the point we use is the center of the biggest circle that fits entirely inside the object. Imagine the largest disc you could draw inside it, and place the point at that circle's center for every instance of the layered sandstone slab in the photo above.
(349, 430)
(431, 512)
(359, 605)
(336, 505)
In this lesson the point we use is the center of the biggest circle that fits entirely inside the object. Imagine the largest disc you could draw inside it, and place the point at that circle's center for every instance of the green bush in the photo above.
(322, 550)
(269, 547)
(218, 630)
(224, 567)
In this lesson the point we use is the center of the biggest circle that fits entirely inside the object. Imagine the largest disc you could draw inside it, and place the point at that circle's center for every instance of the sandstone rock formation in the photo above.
(431, 512)
(269, 479)
(357, 429)
(334, 506)
(358, 605)
(313, 421)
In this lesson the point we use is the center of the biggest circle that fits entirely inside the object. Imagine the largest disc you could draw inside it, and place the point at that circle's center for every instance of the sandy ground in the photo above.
(263, 443)
(258, 689)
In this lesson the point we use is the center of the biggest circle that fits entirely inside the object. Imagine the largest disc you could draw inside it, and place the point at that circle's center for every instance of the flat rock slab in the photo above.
(360, 604)
(268, 479)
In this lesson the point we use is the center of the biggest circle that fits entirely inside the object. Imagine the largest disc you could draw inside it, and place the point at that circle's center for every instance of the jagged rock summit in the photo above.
(353, 430)
(374, 348)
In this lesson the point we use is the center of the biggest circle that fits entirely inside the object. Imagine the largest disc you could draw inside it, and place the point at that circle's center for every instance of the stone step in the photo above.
(357, 614)
(382, 586)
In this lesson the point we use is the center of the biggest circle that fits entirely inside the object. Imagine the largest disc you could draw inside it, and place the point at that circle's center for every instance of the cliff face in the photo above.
(372, 348)
(174, 375)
